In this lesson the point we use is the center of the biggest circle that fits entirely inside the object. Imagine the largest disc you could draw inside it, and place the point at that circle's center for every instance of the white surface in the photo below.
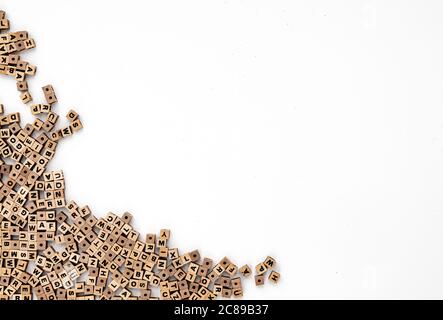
(308, 130)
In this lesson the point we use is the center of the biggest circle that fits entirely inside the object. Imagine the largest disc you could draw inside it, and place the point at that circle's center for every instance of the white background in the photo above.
(308, 130)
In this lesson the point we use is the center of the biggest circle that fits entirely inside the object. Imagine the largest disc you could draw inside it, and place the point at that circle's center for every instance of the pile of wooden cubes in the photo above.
(56, 249)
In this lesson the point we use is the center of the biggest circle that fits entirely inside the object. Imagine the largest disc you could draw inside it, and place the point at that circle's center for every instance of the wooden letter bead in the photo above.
(259, 280)
(22, 85)
(269, 262)
(274, 276)
(164, 234)
(225, 262)
(71, 115)
(29, 43)
(26, 97)
(260, 268)
(236, 283)
(76, 125)
(4, 24)
(245, 271)
(30, 70)
(47, 89)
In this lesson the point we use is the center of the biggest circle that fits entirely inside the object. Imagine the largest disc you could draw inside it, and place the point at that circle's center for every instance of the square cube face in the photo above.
(259, 280)
(245, 271)
(274, 276)
(51, 98)
(22, 85)
(47, 89)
